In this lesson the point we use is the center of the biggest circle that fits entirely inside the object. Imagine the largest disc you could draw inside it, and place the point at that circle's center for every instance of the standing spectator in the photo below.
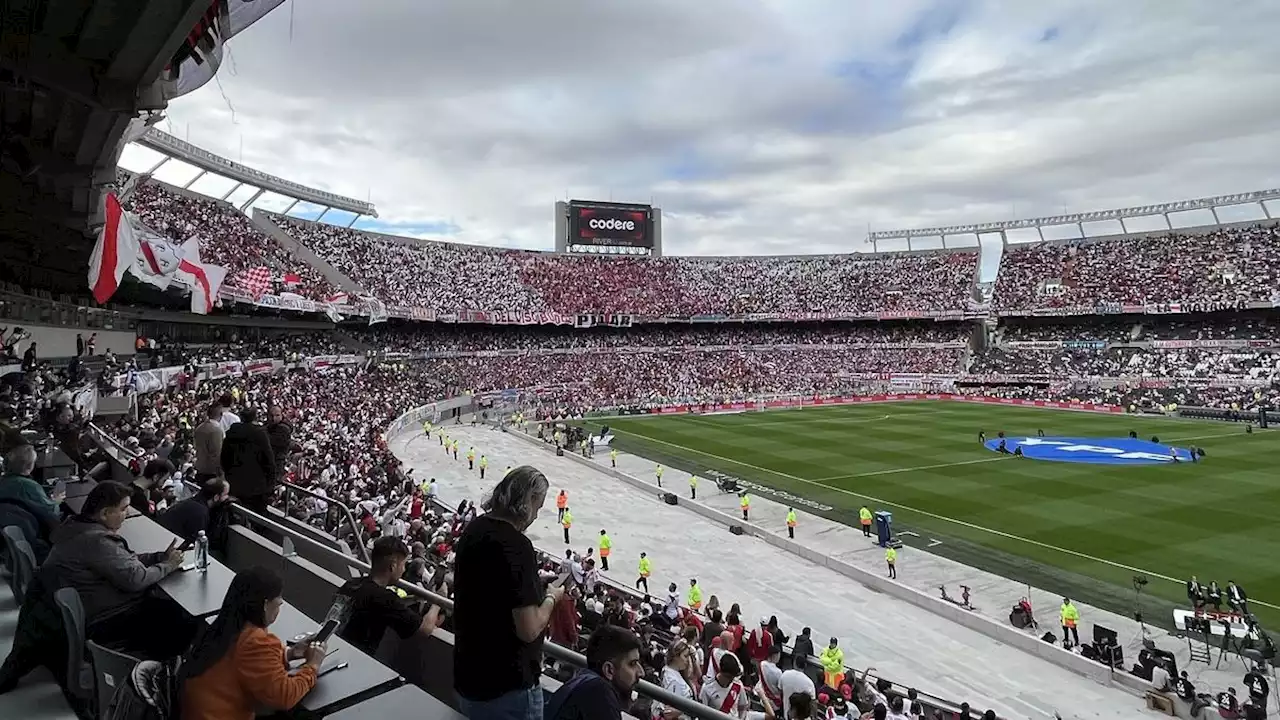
(227, 418)
(281, 434)
(91, 345)
(29, 358)
(79, 345)
(603, 689)
(208, 444)
(248, 462)
(501, 608)
(803, 649)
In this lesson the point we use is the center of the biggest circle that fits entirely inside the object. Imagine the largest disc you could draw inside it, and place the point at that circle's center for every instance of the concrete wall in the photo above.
(60, 342)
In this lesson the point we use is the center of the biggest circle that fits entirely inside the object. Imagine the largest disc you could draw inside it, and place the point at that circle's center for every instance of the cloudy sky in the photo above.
(759, 126)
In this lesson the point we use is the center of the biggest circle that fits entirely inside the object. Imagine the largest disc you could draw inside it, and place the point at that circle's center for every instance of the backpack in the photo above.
(152, 693)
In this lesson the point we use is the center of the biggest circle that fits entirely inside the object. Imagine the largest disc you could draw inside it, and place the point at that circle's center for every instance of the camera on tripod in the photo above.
(1139, 582)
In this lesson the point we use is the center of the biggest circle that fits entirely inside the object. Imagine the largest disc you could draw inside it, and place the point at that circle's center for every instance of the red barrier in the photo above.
(894, 397)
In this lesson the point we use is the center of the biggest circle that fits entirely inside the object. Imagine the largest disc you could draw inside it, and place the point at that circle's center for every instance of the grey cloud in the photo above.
(485, 112)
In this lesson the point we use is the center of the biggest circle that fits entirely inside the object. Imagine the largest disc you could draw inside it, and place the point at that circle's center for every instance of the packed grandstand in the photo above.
(1132, 324)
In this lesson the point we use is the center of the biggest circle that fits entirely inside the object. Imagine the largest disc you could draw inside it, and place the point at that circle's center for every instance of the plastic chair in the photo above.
(79, 672)
(111, 673)
(24, 568)
(14, 540)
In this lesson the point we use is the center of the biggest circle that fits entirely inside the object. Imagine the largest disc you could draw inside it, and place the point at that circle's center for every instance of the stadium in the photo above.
(1016, 466)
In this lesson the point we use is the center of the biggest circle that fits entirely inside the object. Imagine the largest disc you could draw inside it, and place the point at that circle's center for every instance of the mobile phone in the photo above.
(325, 631)
(187, 545)
(188, 567)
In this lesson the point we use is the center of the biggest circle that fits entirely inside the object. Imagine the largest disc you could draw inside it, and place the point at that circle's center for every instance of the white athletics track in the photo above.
(906, 644)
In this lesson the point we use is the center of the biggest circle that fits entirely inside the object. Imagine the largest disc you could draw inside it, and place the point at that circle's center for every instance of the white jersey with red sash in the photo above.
(730, 700)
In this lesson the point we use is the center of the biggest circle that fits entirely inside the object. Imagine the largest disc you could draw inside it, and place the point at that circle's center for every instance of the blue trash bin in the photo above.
(884, 528)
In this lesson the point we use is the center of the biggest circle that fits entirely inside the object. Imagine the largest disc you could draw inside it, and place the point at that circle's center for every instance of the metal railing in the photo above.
(562, 654)
(331, 505)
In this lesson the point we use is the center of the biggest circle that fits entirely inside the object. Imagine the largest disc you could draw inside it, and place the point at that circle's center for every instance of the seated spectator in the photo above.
(193, 515)
(113, 582)
(375, 604)
(237, 666)
(602, 690)
(23, 502)
(147, 489)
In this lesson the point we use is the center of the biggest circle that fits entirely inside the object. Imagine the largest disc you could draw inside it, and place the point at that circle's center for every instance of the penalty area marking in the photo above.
(935, 516)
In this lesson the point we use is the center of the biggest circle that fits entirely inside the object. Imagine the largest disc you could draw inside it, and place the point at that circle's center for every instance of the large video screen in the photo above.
(615, 225)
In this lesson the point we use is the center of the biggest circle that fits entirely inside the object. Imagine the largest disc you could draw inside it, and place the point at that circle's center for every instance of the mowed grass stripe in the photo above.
(1101, 521)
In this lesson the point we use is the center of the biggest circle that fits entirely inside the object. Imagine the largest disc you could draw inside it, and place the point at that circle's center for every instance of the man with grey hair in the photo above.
(501, 607)
(23, 501)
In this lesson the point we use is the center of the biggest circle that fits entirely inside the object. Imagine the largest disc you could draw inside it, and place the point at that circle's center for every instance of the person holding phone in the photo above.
(374, 605)
(91, 557)
(237, 666)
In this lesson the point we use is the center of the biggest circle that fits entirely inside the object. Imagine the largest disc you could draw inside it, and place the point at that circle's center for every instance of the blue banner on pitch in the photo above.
(1099, 451)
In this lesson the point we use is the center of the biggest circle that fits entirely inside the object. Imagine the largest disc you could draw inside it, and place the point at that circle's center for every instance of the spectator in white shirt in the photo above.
(726, 692)
(228, 418)
(676, 676)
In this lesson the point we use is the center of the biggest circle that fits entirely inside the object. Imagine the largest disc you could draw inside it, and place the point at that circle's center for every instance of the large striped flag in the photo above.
(113, 253)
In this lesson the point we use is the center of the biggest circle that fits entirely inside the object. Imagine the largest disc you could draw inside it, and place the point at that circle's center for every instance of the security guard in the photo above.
(658, 471)
(455, 449)
(1070, 618)
(832, 659)
(695, 596)
(606, 546)
(426, 429)
(864, 516)
(791, 523)
(566, 520)
(891, 557)
(471, 458)
(744, 501)
(645, 568)
(693, 487)
(613, 457)
(562, 502)
(441, 437)
(484, 463)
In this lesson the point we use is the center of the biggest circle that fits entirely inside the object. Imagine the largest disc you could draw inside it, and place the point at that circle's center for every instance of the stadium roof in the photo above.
(208, 162)
(73, 75)
(1210, 203)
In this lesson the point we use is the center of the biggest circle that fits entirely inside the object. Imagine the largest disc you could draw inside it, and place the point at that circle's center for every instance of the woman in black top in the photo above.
(501, 607)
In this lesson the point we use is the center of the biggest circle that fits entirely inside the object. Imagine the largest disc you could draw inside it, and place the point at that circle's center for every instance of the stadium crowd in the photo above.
(227, 237)
(1225, 265)
(1204, 363)
(1236, 326)
(449, 278)
(464, 338)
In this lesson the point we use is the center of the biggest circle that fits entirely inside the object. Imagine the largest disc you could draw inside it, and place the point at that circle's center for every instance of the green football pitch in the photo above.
(1083, 530)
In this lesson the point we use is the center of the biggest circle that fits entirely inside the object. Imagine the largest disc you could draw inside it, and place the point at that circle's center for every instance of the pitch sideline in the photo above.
(944, 518)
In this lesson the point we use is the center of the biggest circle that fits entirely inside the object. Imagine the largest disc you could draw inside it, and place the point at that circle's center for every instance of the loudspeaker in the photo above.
(670, 498)
(735, 529)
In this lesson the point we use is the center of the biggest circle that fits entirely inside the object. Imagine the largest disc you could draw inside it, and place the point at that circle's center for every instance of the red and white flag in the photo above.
(256, 281)
(205, 279)
(113, 253)
(292, 279)
(338, 299)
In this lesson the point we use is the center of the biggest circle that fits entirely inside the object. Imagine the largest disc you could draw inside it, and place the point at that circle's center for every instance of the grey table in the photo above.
(78, 492)
(362, 678)
(199, 593)
(406, 701)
